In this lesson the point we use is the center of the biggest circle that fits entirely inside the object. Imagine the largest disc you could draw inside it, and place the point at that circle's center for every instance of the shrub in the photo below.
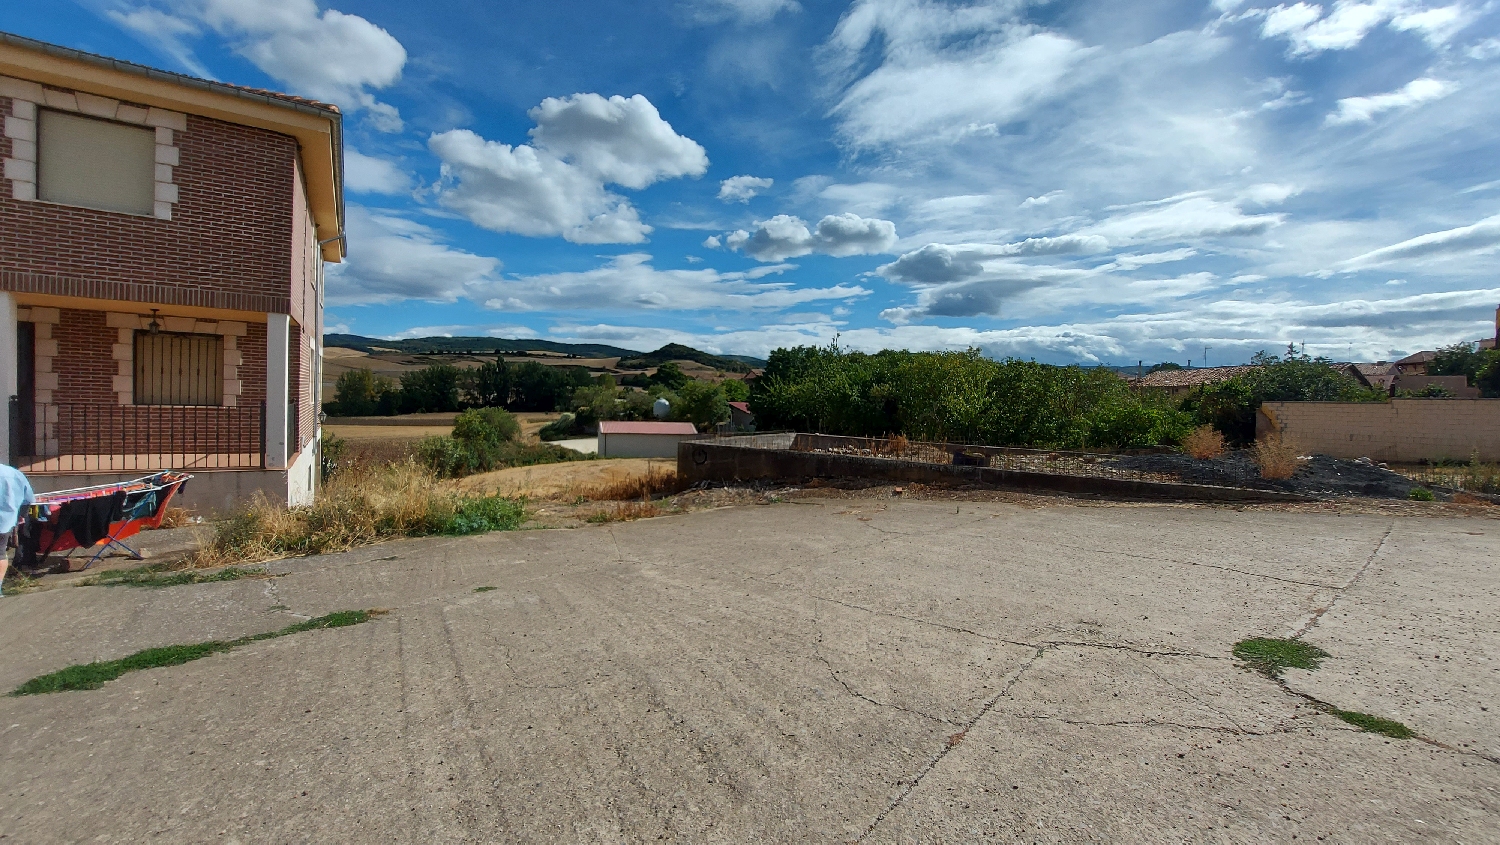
(1230, 406)
(1204, 442)
(450, 457)
(486, 426)
(1276, 457)
(1420, 494)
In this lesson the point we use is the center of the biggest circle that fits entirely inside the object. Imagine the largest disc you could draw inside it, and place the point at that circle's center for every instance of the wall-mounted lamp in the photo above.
(154, 327)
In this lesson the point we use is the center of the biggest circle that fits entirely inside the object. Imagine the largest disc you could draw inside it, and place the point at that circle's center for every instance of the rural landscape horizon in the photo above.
(1075, 182)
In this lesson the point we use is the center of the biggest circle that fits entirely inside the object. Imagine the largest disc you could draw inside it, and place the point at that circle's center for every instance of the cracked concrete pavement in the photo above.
(823, 671)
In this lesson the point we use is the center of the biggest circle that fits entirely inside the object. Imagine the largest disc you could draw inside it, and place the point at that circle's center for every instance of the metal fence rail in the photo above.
(96, 437)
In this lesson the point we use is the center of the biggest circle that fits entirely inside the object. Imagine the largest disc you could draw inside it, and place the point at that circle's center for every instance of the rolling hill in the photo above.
(629, 358)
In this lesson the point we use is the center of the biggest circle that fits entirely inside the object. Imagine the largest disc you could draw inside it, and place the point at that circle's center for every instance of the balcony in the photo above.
(99, 438)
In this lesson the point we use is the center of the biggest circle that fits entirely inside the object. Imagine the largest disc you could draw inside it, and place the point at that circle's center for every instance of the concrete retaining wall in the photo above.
(1403, 430)
(776, 458)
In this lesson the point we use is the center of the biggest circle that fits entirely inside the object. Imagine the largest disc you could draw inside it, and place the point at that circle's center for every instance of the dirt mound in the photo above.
(1321, 476)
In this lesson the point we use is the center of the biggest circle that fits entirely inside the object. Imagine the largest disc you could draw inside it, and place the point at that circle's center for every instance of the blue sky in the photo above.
(1069, 181)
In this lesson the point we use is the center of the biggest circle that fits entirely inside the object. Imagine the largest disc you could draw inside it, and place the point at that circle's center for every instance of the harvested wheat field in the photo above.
(566, 480)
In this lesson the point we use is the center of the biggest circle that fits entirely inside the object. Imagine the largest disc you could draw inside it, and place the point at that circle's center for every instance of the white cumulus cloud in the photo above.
(1309, 31)
(370, 175)
(326, 55)
(556, 185)
(392, 258)
(785, 236)
(630, 282)
(945, 71)
(1414, 93)
(743, 188)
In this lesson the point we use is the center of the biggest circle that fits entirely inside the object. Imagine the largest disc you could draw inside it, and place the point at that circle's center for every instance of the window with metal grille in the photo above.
(179, 369)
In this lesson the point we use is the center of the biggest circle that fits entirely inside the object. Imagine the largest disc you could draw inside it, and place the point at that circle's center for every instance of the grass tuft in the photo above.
(359, 506)
(1420, 494)
(88, 676)
(1276, 456)
(1271, 655)
(1204, 442)
(1375, 724)
(484, 589)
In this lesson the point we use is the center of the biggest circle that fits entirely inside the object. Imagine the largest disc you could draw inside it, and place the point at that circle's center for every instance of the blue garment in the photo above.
(15, 494)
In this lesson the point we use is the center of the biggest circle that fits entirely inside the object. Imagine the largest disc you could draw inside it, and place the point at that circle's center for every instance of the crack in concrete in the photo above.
(818, 655)
(1019, 643)
(1208, 565)
(1236, 730)
(1317, 615)
(949, 745)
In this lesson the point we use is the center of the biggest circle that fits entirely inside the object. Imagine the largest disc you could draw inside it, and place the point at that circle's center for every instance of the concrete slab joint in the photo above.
(20, 128)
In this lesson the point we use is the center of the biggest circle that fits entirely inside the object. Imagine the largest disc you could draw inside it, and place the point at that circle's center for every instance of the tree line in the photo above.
(968, 398)
(530, 386)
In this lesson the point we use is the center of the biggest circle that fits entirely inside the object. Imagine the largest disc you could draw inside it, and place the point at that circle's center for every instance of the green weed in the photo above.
(95, 675)
(1271, 655)
(158, 575)
(484, 589)
(1420, 494)
(1375, 724)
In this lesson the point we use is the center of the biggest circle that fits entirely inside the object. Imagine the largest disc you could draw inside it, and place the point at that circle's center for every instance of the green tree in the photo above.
(736, 390)
(357, 393)
(430, 389)
(487, 385)
(670, 376)
(1480, 367)
(702, 404)
(1231, 405)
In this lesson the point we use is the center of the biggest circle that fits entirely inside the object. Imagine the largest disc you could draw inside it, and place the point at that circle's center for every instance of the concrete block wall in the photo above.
(1401, 430)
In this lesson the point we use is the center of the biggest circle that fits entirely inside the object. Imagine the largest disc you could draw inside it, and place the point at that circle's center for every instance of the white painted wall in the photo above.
(9, 369)
(278, 339)
(302, 477)
(640, 445)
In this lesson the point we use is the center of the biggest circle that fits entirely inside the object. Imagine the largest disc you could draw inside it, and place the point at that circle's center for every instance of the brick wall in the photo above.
(228, 245)
(85, 363)
(1405, 430)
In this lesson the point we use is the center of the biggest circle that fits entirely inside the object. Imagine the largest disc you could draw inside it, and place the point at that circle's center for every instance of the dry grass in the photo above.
(645, 486)
(176, 517)
(361, 505)
(624, 512)
(1204, 442)
(896, 445)
(1276, 456)
(1474, 476)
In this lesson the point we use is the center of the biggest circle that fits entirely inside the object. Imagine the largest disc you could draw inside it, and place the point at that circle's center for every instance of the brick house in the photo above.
(162, 241)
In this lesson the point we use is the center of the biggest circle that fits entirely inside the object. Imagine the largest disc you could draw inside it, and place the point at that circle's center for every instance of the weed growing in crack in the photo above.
(1271, 655)
(1374, 724)
(95, 675)
(159, 575)
(484, 589)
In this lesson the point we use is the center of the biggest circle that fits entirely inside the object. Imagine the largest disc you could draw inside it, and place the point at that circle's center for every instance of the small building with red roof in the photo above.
(629, 439)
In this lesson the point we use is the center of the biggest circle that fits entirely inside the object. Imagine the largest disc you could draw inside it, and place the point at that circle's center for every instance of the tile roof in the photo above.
(1190, 378)
(742, 407)
(624, 427)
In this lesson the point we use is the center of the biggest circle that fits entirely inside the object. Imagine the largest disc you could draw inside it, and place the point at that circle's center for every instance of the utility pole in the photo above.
(1205, 356)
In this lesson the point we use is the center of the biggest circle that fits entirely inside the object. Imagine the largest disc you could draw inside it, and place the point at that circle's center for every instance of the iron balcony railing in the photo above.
(94, 437)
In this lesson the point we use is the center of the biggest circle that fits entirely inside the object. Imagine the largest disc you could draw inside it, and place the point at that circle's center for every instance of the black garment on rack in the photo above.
(89, 519)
